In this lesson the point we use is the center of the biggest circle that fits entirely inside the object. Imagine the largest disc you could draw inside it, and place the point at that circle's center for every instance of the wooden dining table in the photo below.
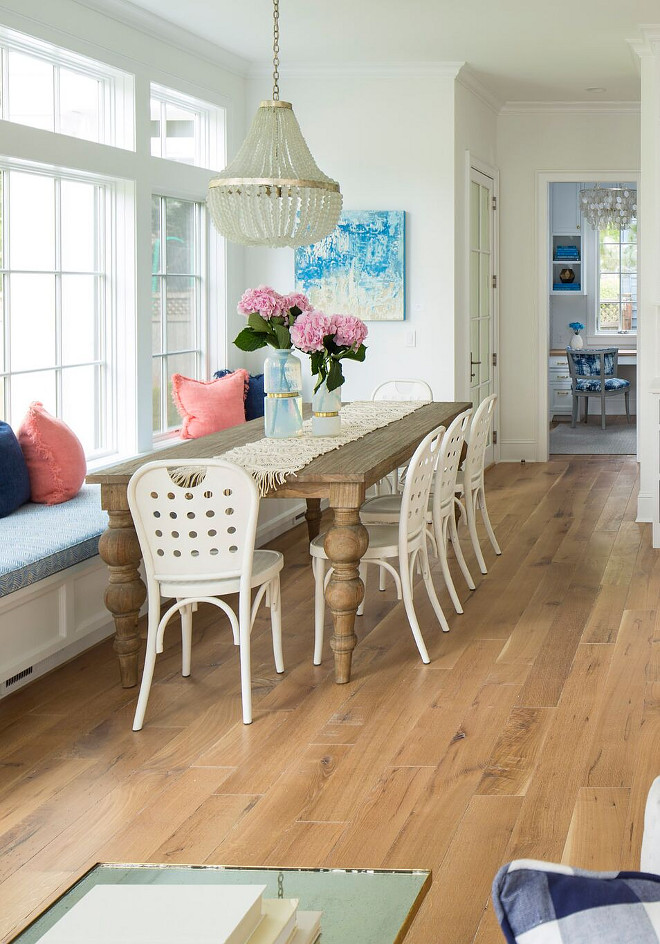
(342, 476)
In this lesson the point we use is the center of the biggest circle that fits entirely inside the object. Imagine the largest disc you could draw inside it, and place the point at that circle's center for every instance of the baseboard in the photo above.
(280, 523)
(518, 450)
(645, 507)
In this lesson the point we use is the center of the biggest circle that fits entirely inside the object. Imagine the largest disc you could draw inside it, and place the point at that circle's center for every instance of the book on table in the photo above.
(183, 914)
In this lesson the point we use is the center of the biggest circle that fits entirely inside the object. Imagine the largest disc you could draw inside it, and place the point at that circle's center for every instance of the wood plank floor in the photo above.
(535, 730)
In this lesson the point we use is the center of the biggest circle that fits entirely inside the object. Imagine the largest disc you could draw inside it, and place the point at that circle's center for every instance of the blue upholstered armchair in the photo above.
(594, 374)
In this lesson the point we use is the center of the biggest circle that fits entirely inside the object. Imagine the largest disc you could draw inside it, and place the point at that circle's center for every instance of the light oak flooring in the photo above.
(534, 732)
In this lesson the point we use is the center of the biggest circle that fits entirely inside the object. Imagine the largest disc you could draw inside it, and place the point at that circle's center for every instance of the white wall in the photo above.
(388, 140)
(532, 143)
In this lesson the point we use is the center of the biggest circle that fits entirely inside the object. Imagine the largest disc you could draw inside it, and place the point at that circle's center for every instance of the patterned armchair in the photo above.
(594, 374)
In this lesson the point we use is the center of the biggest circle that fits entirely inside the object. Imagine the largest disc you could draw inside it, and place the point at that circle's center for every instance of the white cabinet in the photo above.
(560, 401)
(566, 262)
(564, 208)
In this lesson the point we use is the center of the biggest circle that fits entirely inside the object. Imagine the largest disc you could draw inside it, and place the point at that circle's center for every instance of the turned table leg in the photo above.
(313, 517)
(345, 543)
(126, 592)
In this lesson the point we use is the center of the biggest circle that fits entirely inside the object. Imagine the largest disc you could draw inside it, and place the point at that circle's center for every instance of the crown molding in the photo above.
(378, 69)
(646, 46)
(151, 25)
(580, 108)
(468, 79)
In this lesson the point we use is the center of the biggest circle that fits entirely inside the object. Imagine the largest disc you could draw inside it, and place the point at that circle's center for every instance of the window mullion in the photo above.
(58, 299)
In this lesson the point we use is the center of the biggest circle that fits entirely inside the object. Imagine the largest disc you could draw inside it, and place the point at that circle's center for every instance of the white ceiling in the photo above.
(521, 50)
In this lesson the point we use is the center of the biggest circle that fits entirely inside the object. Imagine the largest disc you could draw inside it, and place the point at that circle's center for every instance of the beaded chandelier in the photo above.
(272, 193)
(609, 206)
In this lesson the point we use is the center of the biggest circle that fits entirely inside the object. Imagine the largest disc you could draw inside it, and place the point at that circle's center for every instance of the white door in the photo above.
(482, 295)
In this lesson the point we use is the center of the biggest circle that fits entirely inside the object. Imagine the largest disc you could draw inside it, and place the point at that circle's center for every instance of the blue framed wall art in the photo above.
(359, 269)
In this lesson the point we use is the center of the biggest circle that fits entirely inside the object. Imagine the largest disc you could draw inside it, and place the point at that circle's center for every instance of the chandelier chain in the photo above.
(276, 50)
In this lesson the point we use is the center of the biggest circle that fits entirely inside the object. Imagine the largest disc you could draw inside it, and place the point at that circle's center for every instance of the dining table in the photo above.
(341, 476)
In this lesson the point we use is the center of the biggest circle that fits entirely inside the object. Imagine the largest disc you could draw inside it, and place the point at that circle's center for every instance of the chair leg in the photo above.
(149, 663)
(471, 509)
(318, 567)
(406, 588)
(484, 515)
(574, 416)
(458, 551)
(586, 409)
(244, 621)
(602, 411)
(441, 541)
(430, 589)
(627, 399)
(275, 604)
(381, 578)
(186, 639)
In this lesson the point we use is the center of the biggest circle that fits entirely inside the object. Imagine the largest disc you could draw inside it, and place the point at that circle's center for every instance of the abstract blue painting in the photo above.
(359, 269)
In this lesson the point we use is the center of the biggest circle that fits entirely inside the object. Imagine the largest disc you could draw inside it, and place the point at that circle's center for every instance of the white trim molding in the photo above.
(579, 108)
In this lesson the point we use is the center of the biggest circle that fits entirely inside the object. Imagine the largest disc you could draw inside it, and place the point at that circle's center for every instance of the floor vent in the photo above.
(19, 675)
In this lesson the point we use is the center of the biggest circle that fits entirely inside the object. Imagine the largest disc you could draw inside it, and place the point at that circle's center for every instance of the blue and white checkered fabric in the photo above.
(544, 903)
(588, 365)
(612, 383)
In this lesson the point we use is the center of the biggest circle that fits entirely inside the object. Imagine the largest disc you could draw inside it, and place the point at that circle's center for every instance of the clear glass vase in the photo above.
(326, 405)
(283, 400)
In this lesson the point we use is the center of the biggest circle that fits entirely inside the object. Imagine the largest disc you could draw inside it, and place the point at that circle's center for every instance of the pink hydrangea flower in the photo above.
(299, 300)
(309, 330)
(351, 331)
(264, 300)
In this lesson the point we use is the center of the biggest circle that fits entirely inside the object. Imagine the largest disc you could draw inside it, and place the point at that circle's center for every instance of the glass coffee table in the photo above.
(360, 906)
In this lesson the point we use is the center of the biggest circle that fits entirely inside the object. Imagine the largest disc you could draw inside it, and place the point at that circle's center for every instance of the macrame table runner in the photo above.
(270, 461)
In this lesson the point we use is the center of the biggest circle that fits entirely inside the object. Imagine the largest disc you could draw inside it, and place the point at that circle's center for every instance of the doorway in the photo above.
(588, 292)
(482, 294)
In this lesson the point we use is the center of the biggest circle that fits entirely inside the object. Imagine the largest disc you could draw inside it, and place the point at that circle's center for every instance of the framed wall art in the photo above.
(359, 269)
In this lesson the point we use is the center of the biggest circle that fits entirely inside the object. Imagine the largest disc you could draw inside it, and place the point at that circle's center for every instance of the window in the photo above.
(185, 129)
(55, 90)
(617, 280)
(55, 307)
(178, 309)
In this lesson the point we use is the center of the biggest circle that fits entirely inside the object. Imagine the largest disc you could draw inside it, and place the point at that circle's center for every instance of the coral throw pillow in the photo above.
(14, 478)
(207, 406)
(54, 456)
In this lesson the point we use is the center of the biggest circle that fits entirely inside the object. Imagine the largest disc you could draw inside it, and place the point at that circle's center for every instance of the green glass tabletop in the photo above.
(360, 906)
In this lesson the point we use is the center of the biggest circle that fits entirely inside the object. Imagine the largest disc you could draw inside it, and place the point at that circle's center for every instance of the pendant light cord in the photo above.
(276, 50)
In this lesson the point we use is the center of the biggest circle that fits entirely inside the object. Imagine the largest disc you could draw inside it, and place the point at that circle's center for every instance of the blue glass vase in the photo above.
(326, 404)
(282, 395)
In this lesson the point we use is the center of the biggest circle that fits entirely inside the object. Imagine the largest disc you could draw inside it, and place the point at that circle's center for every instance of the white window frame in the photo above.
(105, 418)
(209, 125)
(116, 106)
(591, 249)
(200, 330)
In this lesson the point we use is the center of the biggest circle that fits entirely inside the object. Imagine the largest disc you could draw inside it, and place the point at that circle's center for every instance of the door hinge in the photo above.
(494, 360)
(494, 281)
(494, 437)
(494, 203)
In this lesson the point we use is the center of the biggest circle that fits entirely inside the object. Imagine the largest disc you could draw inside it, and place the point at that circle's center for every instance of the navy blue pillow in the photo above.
(14, 478)
(254, 401)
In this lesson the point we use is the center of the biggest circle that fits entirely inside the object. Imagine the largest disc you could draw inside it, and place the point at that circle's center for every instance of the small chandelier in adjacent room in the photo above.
(609, 206)
(272, 193)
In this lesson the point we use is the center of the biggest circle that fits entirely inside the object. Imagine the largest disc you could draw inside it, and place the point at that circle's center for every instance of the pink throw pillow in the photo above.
(54, 457)
(207, 406)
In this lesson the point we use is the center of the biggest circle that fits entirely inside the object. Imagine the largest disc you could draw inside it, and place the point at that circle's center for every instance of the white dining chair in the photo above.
(405, 542)
(440, 515)
(196, 527)
(470, 487)
(399, 390)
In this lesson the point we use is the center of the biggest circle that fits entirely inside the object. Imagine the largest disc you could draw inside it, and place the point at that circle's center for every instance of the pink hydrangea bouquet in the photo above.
(269, 317)
(329, 339)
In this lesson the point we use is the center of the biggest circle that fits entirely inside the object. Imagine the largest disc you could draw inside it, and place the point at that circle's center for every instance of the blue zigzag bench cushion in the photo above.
(543, 903)
(612, 383)
(39, 540)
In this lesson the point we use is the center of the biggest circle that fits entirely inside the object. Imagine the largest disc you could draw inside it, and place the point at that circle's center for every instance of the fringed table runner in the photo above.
(270, 461)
